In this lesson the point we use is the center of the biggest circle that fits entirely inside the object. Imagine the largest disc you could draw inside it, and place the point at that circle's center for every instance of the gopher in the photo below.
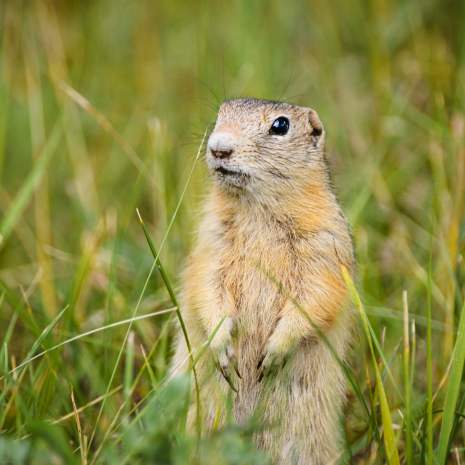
(265, 280)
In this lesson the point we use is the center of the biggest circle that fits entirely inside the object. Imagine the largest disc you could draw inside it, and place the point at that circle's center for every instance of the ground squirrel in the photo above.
(267, 264)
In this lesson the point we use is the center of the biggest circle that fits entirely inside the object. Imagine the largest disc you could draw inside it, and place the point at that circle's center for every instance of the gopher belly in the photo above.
(298, 407)
(258, 311)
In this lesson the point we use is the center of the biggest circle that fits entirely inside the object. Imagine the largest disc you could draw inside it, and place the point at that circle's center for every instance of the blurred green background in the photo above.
(103, 106)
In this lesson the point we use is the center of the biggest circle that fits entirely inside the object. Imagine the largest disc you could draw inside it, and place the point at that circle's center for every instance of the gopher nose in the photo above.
(221, 153)
(221, 144)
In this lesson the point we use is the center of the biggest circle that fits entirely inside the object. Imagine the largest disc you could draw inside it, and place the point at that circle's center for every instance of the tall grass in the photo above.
(103, 108)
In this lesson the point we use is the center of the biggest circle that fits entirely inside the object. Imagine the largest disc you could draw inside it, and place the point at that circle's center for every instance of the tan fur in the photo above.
(270, 246)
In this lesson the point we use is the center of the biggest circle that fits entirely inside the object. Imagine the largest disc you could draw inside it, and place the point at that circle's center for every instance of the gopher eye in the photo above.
(280, 126)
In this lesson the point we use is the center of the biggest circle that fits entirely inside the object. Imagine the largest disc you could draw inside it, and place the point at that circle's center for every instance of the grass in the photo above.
(103, 110)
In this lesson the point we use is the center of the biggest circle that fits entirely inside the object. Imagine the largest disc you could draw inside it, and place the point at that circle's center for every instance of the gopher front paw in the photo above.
(275, 356)
(223, 350)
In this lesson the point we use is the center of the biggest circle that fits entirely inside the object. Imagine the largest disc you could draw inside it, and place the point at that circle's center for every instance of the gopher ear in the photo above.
(317, 127)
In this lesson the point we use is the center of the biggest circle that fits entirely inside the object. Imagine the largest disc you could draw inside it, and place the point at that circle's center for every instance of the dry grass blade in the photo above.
(86, 406)
(105, 124)
(82, 438)
(407, 383)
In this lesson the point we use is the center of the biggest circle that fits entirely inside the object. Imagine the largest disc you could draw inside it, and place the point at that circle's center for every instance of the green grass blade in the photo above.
(386, 364)
(452, 392)
(30, 355)
(392, 455)
(128, 371)
(55, 438)
(6, 339)
(174, 300)
(25, 193)
(5, 106)
(429, 374)
(88, 333)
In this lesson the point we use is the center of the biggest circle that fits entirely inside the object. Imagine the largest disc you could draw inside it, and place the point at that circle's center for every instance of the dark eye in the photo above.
(280, 126)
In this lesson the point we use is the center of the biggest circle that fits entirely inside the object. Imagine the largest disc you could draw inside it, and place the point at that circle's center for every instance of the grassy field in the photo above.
(103, 106)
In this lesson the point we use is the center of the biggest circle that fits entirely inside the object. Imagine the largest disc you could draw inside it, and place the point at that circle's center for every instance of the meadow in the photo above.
(103, 109)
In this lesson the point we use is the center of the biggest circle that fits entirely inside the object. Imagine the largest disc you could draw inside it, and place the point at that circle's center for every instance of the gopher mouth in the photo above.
(227, 172)
(231, 177)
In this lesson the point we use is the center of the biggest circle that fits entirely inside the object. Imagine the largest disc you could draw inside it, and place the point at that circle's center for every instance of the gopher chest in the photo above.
(259, 286)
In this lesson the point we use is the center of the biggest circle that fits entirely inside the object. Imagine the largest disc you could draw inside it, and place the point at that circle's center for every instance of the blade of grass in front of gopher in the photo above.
(392, 454)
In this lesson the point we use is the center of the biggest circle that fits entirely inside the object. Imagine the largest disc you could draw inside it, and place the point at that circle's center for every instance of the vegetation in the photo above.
(103, 107)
